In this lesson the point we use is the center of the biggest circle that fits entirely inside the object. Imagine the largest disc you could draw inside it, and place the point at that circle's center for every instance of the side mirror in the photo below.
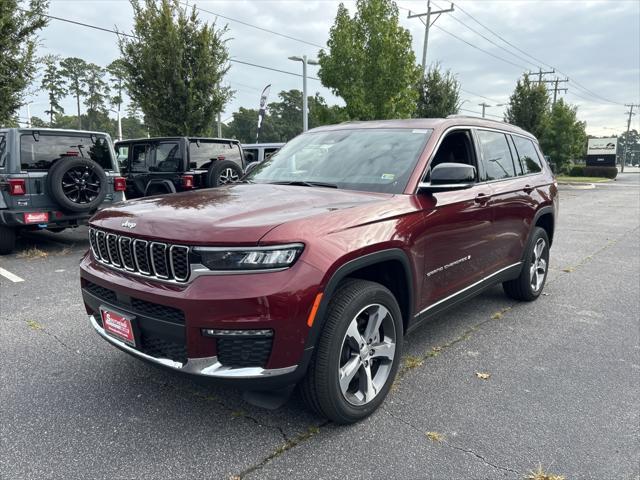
(250, 167)
(446, 177)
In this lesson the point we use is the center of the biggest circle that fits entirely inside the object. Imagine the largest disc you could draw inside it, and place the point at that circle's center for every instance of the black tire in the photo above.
(522, 288)
(223, 173)
(85, 184)
(7, 240)
(321, 389)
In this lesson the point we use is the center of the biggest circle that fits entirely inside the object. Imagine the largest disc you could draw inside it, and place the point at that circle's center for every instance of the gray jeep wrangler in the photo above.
(54, 179)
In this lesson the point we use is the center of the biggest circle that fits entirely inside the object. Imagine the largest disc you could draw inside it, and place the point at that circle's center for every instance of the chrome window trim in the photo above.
(173, 270)
(135, 256)
(152, 260)
(124, 265)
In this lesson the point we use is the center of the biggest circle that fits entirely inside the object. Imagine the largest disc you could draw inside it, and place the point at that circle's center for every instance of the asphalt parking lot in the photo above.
(563, 389)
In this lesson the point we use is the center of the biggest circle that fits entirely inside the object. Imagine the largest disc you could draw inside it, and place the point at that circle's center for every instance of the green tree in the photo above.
(53, 83)
(528, 106)
(322, 114)
(286, 115)
(633, 152)
(438, 94)
(132, 127)
(18, 29)
(370, 62)
(245, 124)
(97, 94)
(75, 71)
(564, 138)
(117, 75)
(175, 68)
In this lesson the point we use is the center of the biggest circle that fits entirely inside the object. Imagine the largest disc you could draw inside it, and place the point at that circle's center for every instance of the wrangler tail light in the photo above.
(17, 186)
(119, 184)
(187, 181)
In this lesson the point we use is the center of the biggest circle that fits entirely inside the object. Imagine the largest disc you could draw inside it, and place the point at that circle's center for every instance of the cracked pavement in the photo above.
(564, 390)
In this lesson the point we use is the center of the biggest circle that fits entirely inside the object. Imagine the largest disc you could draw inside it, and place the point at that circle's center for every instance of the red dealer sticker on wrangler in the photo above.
(118, 325)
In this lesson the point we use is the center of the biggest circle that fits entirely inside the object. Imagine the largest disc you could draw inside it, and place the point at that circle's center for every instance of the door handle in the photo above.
(481, 198)
(528, 188)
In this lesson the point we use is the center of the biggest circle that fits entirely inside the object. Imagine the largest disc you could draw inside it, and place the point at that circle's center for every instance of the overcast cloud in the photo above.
(596, 43)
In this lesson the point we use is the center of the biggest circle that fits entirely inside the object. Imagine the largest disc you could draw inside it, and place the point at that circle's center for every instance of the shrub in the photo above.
(576, 171)
(607, 172)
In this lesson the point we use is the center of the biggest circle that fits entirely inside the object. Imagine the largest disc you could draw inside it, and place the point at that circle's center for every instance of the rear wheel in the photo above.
(529, 285)
(7, 240)
(223, 172)
(357, 357)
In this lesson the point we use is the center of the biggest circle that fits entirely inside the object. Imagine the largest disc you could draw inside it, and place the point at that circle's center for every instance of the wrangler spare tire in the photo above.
(223, 172)
(77, 184)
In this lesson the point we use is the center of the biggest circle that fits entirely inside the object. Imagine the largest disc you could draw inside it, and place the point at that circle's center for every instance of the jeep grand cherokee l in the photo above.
(53, 179)
(314, 269)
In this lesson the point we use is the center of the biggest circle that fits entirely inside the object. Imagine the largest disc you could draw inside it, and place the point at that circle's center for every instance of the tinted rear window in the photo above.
(42, 151)
(528, 155)
(202, 153)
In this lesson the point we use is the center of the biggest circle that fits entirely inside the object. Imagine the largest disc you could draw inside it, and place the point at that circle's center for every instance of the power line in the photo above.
(116, 32)
(242, 22)
(575, 82)
(478, 95)
(487, 38)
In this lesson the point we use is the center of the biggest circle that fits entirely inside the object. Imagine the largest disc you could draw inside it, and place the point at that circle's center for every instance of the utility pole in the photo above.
(556, 89)
(626, 140)
(305, 107)
(484, 105)
(427, 24)
(219, 122)
(540, 73)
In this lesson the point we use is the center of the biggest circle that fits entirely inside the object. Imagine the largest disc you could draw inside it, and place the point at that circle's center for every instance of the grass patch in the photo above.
(483, 376)
(32, 253)
(568, 179)
(540, 474)
(412, 362)
(33, 325)
(568, 269)
(435, 436)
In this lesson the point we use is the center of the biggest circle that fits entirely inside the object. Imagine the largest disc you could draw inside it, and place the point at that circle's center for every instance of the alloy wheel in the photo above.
(81, 184)
(228, 175)
(538, 268)
(367, 353)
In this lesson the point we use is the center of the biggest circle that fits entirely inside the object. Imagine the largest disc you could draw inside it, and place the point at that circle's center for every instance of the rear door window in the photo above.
(140, 157)
(203, 152)
(40, 151)
(251, 155)
(3, 149)
(268, 152)
(167, 158)
(496, 156)
(528, 155)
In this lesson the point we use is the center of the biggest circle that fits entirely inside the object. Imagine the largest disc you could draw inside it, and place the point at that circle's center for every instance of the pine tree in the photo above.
(439, 94)
(54, 84)
(97, 93)
(75, 71)
(528, 106)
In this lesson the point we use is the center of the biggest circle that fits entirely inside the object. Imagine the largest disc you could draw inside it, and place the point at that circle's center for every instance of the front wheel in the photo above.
(529, 284)
(357, 357)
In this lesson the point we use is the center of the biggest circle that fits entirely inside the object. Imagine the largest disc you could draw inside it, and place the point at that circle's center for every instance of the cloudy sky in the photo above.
(595, 43)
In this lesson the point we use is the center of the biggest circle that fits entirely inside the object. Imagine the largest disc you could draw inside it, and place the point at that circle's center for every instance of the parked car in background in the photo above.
(259, 152)
(156, 166)
(314, 268)
(53, 179)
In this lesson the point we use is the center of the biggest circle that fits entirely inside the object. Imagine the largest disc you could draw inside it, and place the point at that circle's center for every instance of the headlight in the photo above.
(249, 258)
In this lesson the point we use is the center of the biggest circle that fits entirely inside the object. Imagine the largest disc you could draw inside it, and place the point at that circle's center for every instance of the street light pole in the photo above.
(29, 114)
(305, 106)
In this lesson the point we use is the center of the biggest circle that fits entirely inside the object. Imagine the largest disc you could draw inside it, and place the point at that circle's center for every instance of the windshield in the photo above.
(379, 160)
(40, 151)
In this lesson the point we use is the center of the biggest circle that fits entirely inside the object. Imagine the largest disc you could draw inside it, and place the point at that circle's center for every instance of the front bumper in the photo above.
(206, 367)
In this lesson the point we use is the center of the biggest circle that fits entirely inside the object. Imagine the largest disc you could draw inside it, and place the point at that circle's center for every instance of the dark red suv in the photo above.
(314, 268)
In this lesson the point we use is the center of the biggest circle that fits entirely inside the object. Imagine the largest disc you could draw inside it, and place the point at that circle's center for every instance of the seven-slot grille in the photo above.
(153, 259)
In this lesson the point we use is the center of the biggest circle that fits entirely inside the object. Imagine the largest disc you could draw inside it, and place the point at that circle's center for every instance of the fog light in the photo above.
(214, 332)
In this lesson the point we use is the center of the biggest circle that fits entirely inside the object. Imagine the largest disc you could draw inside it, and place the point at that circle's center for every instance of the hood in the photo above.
(241, 213)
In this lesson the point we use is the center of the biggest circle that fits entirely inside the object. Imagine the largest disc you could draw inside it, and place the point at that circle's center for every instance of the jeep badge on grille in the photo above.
(128, 224)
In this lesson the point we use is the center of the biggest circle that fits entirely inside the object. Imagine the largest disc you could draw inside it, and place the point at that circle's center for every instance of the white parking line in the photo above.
(10, 276)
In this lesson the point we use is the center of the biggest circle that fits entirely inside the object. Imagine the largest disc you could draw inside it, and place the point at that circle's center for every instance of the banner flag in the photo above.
(263, 109)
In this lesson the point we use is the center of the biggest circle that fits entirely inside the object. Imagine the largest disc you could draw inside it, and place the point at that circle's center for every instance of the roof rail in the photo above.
(502, 122)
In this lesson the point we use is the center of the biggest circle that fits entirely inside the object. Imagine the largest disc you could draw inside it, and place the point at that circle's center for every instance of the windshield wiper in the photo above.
(303, 183)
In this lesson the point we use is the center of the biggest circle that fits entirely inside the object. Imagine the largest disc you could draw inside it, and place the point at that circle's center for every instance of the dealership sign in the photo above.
(602, 146)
